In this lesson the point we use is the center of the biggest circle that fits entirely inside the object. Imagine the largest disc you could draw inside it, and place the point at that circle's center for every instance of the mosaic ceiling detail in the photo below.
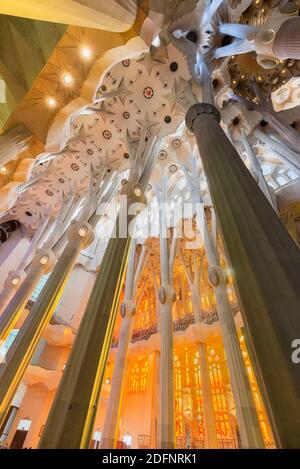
(153, 91)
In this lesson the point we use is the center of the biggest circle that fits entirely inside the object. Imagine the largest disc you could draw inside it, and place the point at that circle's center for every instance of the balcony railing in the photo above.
(195, 443)
(144, 441)
(199, 443)
(207, 316)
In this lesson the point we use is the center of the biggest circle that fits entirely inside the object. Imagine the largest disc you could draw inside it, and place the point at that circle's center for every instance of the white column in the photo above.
(208, 407)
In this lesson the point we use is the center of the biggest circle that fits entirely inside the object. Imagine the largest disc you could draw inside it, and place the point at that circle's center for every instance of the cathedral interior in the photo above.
(150, 224)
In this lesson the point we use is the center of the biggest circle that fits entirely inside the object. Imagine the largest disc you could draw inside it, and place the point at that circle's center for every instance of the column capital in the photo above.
(14, 279)
(46, 259)
(127, 308)
(216, 275)
(200, 108)
(134, 191)
(166, 294)
(81, 231)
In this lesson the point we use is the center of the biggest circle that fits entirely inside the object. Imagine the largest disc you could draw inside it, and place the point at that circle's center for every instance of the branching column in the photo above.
(251, 436)
(166, 295)
(265, 263)
(193, 277)
(128, 309)
(71, 419)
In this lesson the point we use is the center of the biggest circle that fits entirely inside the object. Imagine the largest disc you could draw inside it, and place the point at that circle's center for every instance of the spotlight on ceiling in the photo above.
(67, 79)
(51, 102)
(86, 52)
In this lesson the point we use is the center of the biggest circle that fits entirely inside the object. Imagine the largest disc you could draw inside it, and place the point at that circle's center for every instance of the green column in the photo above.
(265, 263)
(71, 419)
(24, 346)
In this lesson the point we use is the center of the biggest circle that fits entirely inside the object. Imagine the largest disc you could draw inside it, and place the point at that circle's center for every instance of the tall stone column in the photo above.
(208, 407)
(110, 425)
(265, 262)
(166, 296)
(41, 265)
(257, 170)
(75, 404)
(287, 40)
(128, 309)
(251, 436)
(19, 355)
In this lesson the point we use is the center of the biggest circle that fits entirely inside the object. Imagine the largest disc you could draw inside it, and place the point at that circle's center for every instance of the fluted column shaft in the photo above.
(24, 346)
(166, 430)
(287, 40)
(71, 419)
(207, 399)
(250, 432)
(110, 426)
(265, 262)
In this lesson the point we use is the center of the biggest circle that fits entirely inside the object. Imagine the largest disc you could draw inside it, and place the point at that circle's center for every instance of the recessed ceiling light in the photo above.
(67, 79)
(86, 52)
(51, 102)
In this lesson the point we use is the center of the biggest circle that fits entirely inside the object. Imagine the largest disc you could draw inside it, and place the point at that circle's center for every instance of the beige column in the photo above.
(265, 263)
(210, 429)
(166, 296)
